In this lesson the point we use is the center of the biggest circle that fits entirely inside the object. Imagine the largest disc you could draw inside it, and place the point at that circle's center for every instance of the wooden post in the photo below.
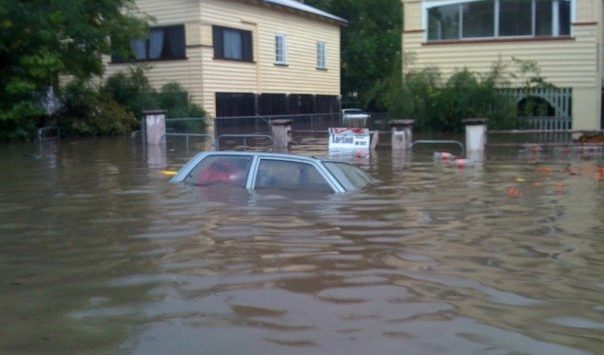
(282, 134)
(402, 134)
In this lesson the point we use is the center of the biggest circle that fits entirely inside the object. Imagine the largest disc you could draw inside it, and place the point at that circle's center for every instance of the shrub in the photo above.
(175, 100)
(131, 90)
(89, 112)
(441, 106)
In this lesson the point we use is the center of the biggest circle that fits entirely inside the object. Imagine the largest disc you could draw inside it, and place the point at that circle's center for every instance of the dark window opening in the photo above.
(163, 43)
(535, 106)
(326, 104)
(272, 104)
(232, 44)
(235, 104)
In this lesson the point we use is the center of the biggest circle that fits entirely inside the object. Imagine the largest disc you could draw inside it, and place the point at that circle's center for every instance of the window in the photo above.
(280, 50)
(477, 19)
(515, 18)
(166, 42)
(321, 56)
(287, 175)
(443, 22)
(231, 170)
(498, 18)
(232, 44)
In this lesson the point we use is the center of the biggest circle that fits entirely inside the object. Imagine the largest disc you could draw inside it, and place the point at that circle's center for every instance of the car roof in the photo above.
(272, 155)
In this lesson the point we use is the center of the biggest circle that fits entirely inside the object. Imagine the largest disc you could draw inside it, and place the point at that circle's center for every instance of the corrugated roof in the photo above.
(296, 5)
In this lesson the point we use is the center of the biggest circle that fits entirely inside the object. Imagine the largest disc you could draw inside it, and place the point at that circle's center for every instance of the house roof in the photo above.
(298, 6)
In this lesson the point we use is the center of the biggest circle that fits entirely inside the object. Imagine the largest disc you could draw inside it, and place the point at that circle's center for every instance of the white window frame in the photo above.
(280, 49)
(555, 13)
(321, 55)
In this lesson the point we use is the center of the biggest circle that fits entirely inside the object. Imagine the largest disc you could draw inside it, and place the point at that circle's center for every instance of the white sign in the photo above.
(349, 139)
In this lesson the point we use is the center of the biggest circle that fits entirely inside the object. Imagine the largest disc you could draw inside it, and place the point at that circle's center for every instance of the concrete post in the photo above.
(402, 134)
(476, 134)
(154, 126)
(282, 134)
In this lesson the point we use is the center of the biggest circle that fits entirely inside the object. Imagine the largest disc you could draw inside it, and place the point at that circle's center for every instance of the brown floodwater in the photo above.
(99, 254)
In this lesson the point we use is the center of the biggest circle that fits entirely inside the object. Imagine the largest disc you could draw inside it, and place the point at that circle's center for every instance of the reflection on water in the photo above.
(99, 254)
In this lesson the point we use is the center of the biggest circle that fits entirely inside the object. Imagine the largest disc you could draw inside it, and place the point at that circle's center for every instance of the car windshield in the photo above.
(353, 110)
(351, 177)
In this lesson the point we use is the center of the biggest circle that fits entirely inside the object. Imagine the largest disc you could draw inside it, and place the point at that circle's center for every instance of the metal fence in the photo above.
(547, 123)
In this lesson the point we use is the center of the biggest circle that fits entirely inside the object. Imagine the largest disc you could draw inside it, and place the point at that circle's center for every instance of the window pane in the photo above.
(232, 170)
(279, 49)
(349, 176)
(175, 46)
(443, 22)
(564, 13)
(246, 42)
(286, 175)
(232, 44)
(478, 19)
(321, 58)
(543, 18)
(515, 18)
(156, 43)
(139, 48)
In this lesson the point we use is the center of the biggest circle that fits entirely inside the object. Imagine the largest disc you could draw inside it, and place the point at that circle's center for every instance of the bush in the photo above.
(89, 112)
(441, 106)
(132, 90)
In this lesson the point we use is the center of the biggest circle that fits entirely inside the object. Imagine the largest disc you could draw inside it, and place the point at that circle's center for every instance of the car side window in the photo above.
(287, 175)
(221, 169)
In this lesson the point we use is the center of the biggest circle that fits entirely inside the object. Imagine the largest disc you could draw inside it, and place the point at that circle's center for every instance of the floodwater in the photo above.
(99, 254)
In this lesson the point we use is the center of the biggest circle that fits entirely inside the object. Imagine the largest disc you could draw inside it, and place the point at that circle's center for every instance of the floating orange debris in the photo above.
(560, 187)
(461, 163)
(513, 192)
(444, 155)
(544, 170)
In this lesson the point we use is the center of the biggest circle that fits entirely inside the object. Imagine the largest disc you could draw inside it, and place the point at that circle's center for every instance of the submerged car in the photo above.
(350, 114)
(257, 171)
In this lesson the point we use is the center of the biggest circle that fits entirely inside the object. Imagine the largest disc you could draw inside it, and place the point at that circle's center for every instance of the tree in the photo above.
(42, 40)
(371, 45)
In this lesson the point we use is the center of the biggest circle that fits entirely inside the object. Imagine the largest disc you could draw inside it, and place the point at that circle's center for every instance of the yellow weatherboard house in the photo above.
(243, 57)
(564, 37)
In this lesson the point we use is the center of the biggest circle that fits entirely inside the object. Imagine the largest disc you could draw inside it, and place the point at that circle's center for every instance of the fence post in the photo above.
(402, 134)
(155, 126)
(282, 134)
(476, 138)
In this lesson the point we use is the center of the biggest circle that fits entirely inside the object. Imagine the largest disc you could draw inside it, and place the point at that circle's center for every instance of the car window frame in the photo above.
(326, 175)
(200, 160)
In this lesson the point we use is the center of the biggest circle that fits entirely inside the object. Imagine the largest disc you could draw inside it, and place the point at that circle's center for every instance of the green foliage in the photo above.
(116, 107)
(88, 112)
(42, 40)
(529, 73)
(174, 99)
(371, 46)
(132, 90)
(441, 106)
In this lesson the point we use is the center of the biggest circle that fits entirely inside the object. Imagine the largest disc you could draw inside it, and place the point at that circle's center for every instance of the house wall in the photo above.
(574, 62)
(203, 76)
(300, 76)
(186, 72)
